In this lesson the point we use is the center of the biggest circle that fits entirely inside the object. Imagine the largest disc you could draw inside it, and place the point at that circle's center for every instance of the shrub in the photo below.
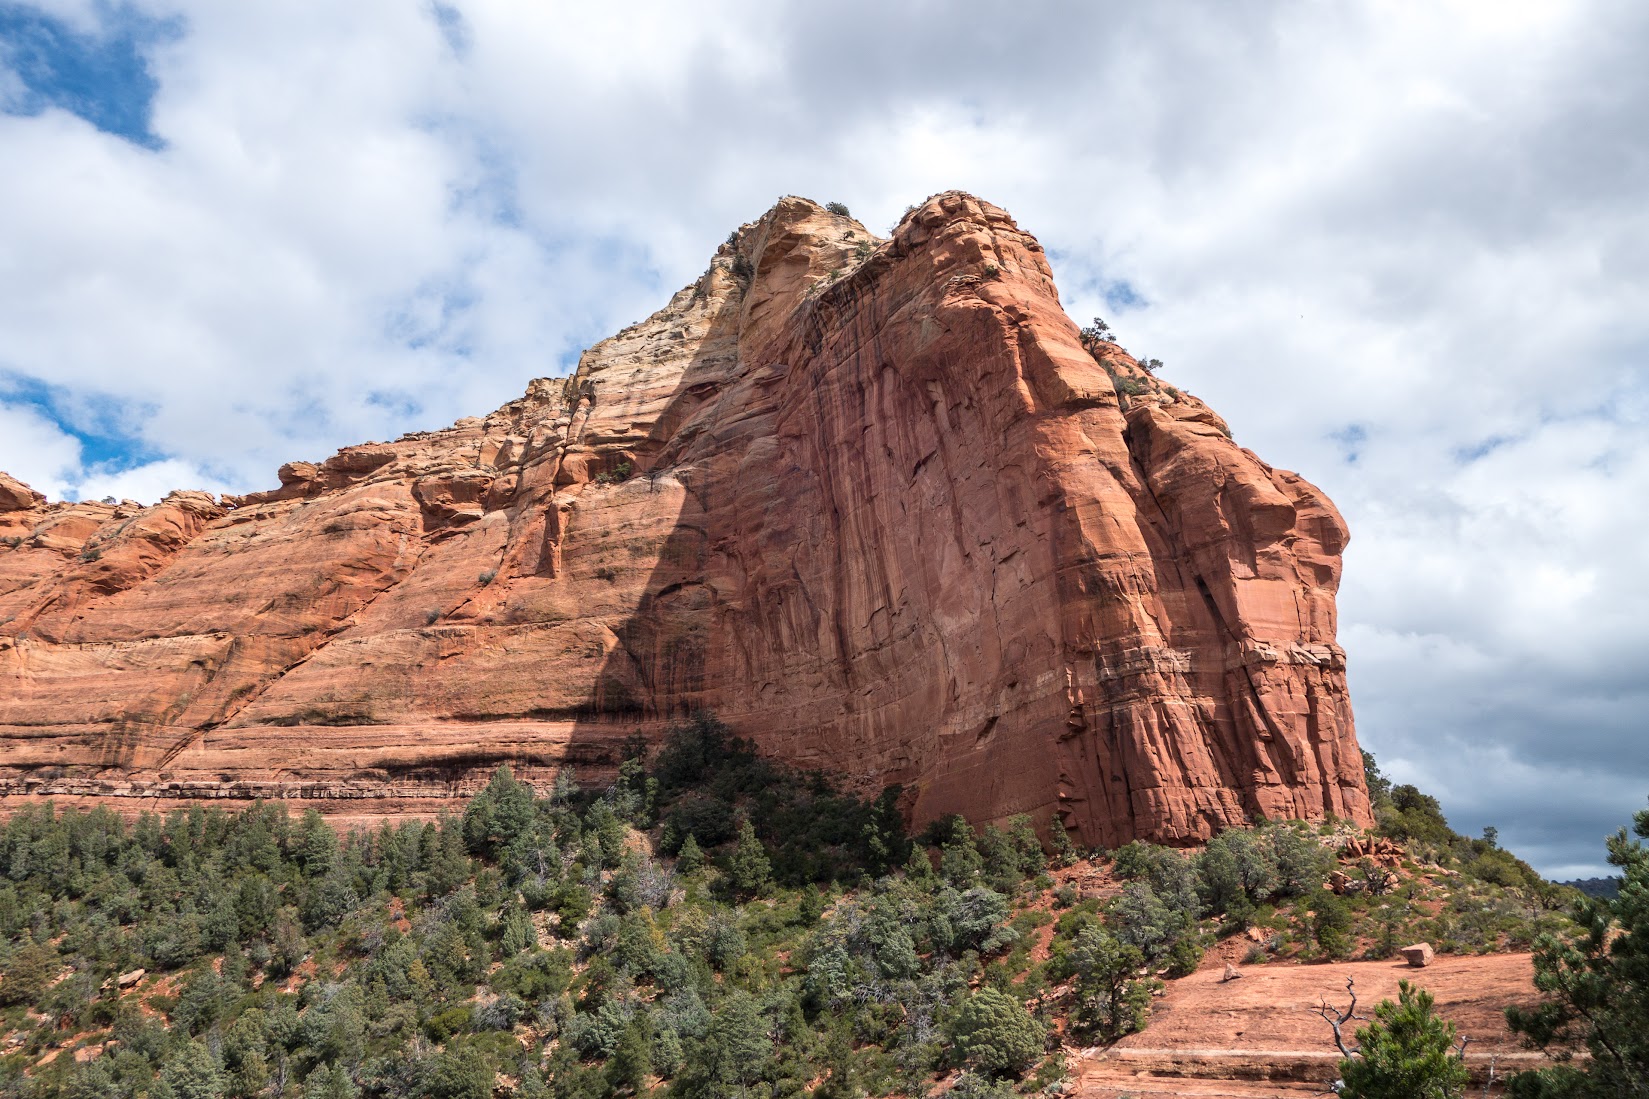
(1238, 865)
(1302, 863)
(838, 208)
(1169, 874)
(28, 972)
(1331, 925)
(501, 1013)
(459, 1074)
(1010, 857)
(693, 749)
(1143, 921)
(1184, 956)
(995, 1034)
(618, 474)
(1405, 1053)
(972, 920)
(708, 819)
(1412, 815)
(971, 1085)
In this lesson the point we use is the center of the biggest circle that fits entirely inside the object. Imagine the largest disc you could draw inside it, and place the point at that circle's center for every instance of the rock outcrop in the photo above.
(872, 501)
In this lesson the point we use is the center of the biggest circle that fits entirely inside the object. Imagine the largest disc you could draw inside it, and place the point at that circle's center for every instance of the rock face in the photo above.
(871, 501)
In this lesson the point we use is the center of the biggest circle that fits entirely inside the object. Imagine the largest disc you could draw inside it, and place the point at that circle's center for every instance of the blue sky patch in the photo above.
(98, 422)
(103, 78)
(1121, 296)
(396, 401)
(1466, 455)
(1351, 438)
(450, 22)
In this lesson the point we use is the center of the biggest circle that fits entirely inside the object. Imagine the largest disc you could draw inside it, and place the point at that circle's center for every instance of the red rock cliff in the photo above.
(869, 500)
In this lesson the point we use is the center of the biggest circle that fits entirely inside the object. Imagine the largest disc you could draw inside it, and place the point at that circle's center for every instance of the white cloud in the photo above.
(147, 482)
(1414, 234)
(39, 452)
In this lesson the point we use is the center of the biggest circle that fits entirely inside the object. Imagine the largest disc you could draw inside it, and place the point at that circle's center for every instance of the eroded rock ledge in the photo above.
(872, 501)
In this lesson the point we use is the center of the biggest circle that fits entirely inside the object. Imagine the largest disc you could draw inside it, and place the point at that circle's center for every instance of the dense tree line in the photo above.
(535, 943)
(708, 924)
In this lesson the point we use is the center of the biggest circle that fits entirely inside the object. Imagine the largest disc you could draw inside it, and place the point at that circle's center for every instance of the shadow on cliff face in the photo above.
(655, 672)
(970, 574)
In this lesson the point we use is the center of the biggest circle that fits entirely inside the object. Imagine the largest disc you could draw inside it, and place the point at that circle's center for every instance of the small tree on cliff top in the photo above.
(1097, 334)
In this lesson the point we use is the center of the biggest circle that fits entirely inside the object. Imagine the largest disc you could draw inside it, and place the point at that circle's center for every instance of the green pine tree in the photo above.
(959, 859)
(732, 1055)
(318, 844)
(1405, 1053)
(190, 1073)
(1112, 998)
(840, 1082)
(994, 1033)
(1598, 989)
(518, 931)
(748, 870)
(632, 1062)
(690, 858)
(919, 868)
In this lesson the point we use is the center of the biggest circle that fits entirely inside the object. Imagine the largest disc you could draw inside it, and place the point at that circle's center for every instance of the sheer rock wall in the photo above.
(871, 501)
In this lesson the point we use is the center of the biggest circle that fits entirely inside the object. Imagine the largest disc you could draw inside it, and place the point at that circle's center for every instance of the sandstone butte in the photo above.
(870, 501)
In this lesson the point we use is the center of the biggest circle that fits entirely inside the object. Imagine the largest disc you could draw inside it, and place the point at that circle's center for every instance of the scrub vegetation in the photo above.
(708, 924)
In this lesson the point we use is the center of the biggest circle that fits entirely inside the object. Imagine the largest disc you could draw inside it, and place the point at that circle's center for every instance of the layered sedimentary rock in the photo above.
(871, 501)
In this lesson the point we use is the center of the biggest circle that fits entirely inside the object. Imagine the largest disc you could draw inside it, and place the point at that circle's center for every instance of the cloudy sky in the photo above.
(1402, 247)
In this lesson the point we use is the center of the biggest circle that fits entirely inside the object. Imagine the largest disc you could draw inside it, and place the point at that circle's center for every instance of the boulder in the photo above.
(1419, 955)
(16, 496)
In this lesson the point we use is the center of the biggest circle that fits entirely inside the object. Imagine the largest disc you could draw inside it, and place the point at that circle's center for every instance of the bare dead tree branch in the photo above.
(1337, 1019)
